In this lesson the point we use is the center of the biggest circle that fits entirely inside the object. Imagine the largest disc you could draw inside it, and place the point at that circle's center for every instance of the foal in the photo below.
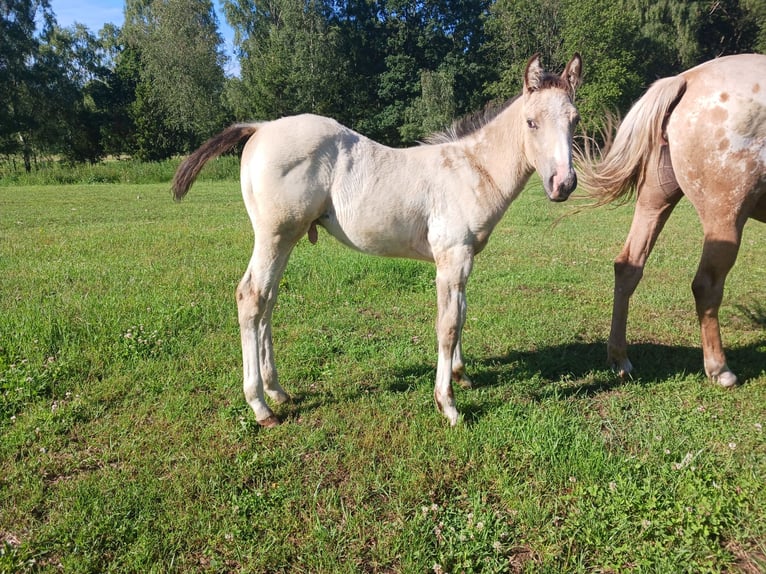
(436, 202)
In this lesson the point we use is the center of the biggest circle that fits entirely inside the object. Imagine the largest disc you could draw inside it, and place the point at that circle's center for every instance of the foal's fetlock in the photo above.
(446, 406)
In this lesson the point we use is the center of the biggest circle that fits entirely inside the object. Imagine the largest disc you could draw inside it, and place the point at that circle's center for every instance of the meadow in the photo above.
(126, 444)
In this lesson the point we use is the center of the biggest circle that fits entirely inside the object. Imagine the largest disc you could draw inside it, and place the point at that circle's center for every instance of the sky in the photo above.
(95, 13)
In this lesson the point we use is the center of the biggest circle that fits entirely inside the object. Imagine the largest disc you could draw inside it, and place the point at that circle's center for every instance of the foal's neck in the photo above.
(499, 146)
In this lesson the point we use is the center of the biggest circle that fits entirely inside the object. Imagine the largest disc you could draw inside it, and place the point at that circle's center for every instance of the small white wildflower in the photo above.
(657, 437)
(612, 486)
(700, 409)
(424, 510)
(42, 449)
(732, 445)
(758, 427)
(434, 507)
(646, 523)
(685, 462)
(228, 536)
(497, 545)
(479, 526)
(667, 451)
(572, 479)
(437, 568)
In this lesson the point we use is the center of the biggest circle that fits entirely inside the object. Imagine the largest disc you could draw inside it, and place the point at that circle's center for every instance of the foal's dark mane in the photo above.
(474, 121)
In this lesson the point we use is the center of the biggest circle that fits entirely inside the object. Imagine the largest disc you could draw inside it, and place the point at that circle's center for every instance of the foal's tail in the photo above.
(619, 168)
(189, 169)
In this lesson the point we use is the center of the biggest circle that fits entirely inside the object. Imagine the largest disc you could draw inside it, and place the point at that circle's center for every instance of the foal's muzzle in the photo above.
(559, 188)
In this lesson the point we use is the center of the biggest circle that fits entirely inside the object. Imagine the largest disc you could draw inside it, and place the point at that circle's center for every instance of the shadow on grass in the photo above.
(580, 369)
(574, 369)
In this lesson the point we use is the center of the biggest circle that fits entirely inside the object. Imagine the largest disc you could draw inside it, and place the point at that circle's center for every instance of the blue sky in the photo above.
(95, 13)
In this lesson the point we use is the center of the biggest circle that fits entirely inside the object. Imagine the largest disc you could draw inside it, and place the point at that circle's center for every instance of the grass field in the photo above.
(126, 444)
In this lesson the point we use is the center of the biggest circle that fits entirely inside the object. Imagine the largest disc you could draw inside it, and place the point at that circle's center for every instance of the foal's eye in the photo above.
(532, 124)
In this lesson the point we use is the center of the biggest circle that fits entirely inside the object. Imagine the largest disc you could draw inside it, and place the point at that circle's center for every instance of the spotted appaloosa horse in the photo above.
(435, 202)
(701, 134)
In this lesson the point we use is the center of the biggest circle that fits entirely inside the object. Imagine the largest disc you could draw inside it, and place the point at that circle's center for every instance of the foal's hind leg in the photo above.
(654, 205)
(718, 256)
(458, 365)
(256, 296)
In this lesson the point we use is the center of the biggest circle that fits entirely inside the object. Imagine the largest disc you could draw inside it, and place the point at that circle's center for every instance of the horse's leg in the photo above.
(654, 205)
(718, 256)
(266, 354)
(452, 270)
(458, 365)
(256, 296)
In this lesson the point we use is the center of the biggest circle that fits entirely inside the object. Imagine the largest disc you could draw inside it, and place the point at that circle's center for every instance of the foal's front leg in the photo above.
(452, 270)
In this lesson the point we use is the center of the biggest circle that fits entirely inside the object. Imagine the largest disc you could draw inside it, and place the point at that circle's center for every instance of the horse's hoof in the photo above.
(465, 382)
(280, 397)
(269, 422)
(726, 379)
(622, 367)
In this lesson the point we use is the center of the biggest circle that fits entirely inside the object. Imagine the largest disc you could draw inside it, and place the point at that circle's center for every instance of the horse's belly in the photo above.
(385, 238)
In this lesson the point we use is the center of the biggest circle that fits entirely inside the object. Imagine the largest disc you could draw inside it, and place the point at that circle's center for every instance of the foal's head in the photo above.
(551, 117)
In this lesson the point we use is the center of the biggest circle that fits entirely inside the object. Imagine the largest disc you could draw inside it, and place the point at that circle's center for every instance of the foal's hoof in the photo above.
(464, 382)
(726, 379)
(269, 422)
(279, 397)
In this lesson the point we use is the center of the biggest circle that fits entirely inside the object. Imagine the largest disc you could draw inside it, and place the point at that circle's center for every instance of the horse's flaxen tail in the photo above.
(619, 168)
(189, 169)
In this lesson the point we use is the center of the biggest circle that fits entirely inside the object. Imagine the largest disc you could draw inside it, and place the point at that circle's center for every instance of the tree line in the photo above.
(394, 70)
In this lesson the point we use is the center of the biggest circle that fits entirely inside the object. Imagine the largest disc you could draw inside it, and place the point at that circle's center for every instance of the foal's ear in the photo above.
(533, 75)
(572, 75)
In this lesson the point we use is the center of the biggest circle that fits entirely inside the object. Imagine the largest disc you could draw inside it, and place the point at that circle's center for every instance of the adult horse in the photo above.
(701, 134)
(437, 202)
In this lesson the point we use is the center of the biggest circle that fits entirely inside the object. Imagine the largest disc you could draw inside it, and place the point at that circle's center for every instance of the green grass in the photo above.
(126, 444)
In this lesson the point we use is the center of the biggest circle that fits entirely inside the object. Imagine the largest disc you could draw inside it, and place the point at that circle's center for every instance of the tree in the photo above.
(607, 36)
(179, 94)
(69, 71)
(18, 54)
(290, 60)
(516, 30)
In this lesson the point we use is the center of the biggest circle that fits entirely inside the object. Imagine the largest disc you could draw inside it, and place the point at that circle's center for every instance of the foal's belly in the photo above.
(379, 235)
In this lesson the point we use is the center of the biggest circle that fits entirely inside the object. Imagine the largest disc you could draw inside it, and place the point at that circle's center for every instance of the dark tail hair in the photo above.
(189, 169)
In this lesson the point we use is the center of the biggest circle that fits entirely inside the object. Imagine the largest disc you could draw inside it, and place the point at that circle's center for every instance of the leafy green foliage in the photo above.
(395, 71)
